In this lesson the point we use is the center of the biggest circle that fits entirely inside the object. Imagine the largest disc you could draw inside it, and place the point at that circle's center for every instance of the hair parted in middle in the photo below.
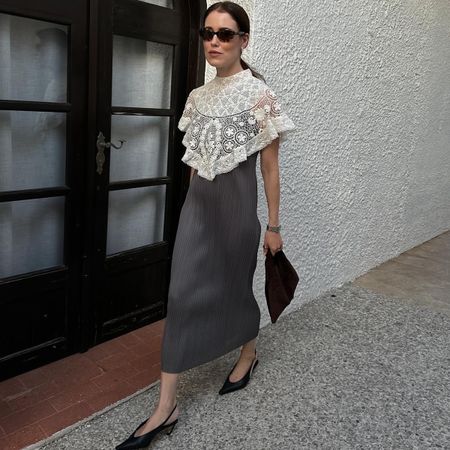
(240, 16)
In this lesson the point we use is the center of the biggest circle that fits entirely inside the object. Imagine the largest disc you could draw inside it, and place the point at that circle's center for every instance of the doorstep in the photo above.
(39, 403)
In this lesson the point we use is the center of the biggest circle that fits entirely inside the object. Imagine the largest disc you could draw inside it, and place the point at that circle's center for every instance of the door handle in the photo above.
(101, 145)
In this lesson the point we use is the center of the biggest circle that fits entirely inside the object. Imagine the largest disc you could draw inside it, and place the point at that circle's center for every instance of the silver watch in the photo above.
(273, 229)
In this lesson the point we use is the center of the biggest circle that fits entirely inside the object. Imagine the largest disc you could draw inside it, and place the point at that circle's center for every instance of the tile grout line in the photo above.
(62, 432)
(30, 385)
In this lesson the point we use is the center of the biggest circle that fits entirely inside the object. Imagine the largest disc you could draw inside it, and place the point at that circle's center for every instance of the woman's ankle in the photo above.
(248, 354)
(167, 405)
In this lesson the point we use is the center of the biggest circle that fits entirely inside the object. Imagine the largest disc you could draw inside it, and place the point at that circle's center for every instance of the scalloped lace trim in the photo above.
(208, 166)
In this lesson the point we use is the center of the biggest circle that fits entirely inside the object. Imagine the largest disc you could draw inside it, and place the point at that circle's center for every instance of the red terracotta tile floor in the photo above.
(41, 402)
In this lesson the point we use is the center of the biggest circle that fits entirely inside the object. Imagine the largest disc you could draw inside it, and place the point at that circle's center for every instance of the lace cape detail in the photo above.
(227, 120)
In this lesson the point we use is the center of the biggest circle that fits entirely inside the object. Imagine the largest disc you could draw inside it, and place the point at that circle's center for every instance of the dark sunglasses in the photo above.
(224, 34)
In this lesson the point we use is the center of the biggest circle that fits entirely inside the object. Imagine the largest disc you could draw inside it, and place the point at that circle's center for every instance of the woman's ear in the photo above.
(244, 43)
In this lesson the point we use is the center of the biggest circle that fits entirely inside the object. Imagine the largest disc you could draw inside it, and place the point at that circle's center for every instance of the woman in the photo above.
(211, 308)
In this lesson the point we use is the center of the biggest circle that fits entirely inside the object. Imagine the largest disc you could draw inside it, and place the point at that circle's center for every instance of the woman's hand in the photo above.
(272, 242)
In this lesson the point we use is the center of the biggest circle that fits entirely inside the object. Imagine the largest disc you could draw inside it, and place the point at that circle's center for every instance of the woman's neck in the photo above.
(223, 72)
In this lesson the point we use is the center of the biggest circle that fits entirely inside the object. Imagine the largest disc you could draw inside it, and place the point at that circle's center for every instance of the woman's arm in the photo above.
(192, 173)
(271, 175)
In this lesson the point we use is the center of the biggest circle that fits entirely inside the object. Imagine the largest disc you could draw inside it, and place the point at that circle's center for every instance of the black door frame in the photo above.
(82, 107)
(100, 54)
(60, 283)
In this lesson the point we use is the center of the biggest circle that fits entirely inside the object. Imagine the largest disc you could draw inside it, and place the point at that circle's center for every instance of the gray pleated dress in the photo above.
(211, 307)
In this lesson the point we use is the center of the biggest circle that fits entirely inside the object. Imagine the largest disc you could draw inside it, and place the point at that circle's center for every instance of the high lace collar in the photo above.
(232, 78)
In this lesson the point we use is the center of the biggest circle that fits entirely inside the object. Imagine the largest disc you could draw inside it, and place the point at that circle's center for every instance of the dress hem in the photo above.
(209, 359)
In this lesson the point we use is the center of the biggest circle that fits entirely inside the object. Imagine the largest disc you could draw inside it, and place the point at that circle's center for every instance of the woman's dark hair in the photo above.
(241, 18)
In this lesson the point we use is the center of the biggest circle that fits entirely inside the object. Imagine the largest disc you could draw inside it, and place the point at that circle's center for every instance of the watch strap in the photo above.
(273, 229)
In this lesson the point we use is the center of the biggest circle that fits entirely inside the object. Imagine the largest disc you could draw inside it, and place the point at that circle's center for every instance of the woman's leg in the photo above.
(167, 400)
(245, 361)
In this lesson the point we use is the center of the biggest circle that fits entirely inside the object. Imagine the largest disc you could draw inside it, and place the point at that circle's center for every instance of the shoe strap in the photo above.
(170, 414)
(253, 365)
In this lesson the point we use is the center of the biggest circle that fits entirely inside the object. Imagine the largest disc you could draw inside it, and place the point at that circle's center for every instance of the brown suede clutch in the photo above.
(281, 281)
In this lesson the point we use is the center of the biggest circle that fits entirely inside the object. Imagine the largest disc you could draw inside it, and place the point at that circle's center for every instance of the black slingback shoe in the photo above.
(143, 441)
(230, 386)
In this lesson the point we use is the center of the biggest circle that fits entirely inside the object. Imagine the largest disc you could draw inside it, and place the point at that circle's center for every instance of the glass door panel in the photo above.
(164, 3)
(32, 235)
(144, 154)
(32, 149)
(33, 68)
(142, 73)
(141, 82)
(33, 60)
(135, 218)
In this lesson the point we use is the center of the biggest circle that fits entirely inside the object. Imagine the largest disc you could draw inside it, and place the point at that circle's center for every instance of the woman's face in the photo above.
(224, 56)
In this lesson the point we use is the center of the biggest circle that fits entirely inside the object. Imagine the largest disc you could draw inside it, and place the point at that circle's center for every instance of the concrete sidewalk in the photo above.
(352, 369)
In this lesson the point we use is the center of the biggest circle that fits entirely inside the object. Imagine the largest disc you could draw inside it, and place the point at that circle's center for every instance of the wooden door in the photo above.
(43, 98)
(86, 229)
(141, 89)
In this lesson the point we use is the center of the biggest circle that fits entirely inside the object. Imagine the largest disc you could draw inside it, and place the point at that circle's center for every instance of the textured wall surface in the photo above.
(366, 175)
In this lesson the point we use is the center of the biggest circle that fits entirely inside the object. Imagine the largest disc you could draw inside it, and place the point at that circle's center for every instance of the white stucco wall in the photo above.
(366, 175)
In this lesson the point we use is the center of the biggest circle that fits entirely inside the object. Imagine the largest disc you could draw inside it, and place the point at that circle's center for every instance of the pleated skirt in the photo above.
(211, 307)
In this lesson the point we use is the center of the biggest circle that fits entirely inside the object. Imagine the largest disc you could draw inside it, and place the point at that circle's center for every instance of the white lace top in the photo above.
(227, 120)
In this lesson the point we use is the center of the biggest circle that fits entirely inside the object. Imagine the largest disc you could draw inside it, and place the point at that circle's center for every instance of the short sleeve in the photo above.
(270, 114)
(186, 117)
